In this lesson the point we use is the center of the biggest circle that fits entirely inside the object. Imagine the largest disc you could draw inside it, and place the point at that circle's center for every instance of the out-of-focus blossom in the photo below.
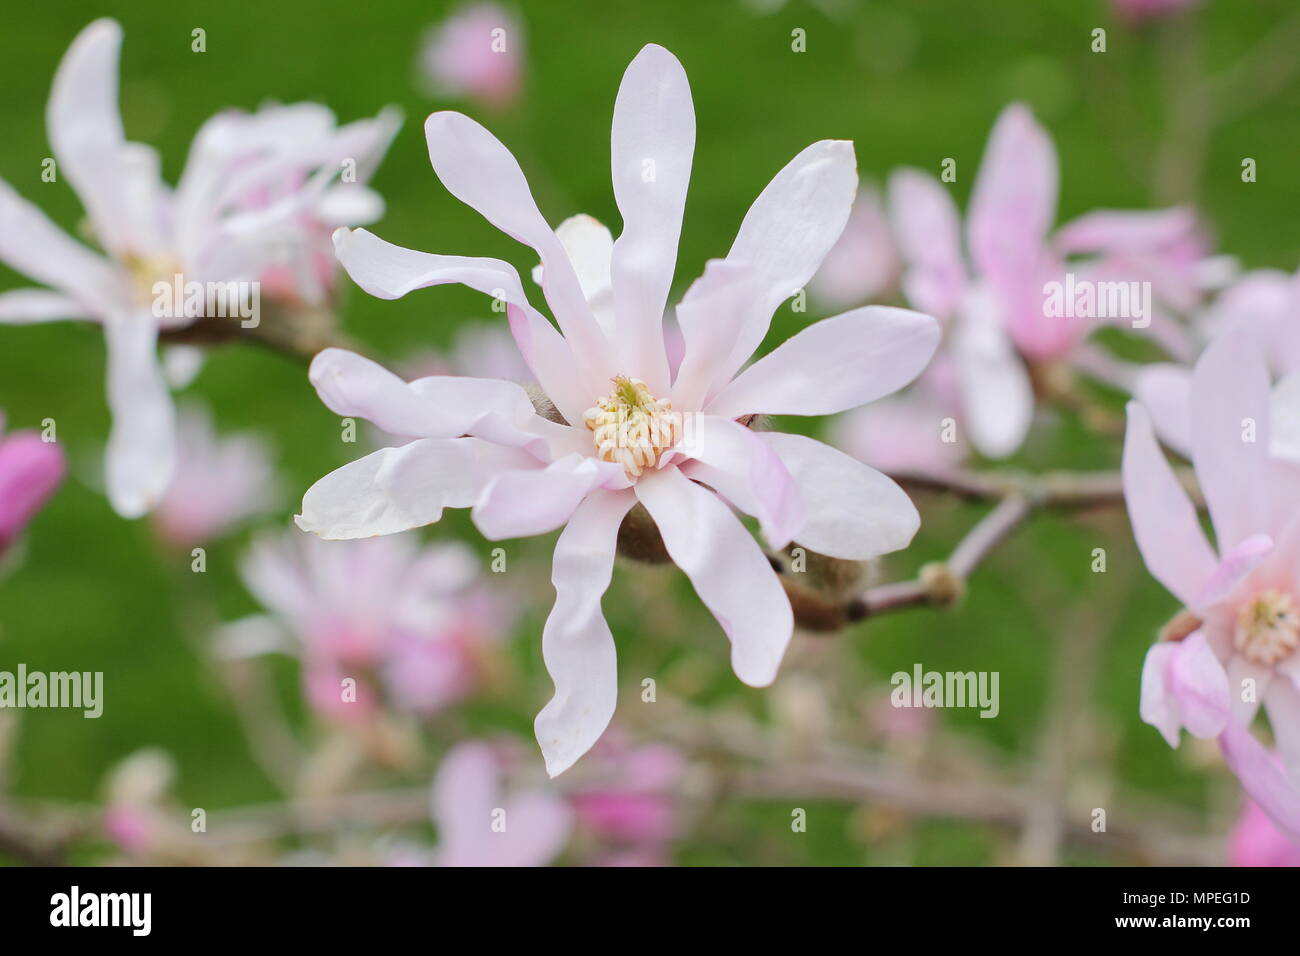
(219, 482)
(863, 263)
(482, 823)
(1139, 11)
(202, 232)
(479, 350)
(1261, 306)
(1235, 645)
(1255, 841)
(627, 801)
(30, 470)
(477, 52)
(136, 817)
(998, 307)
(632, 432)
(406, 623)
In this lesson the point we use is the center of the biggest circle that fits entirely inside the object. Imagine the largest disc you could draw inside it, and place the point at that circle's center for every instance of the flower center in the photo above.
(632, 427)
(146, 271)
(1268, 628)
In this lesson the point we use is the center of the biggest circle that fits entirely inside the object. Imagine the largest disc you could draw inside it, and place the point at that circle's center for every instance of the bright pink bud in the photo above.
(30, 470)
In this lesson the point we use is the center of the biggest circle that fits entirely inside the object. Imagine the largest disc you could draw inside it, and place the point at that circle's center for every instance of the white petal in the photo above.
(997, 396)
(26, 306)
(519, 504)
(141, 451)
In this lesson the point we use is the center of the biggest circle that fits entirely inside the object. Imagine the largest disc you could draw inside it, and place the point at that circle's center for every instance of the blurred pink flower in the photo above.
(30, 470)
(1235, 647)
(997, 307)
(1255, 841)
(629, 794)
(149, 234)
(863, 263)
(632, 432)
(481, 823)
(1136, 11)
(219, 482)
(405, 621)
(477, 52)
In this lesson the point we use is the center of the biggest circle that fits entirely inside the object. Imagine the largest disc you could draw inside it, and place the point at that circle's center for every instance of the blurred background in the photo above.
(910, 83)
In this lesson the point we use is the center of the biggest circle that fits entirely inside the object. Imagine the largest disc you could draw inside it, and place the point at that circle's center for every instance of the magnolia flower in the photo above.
(30, 469)
(481, 824)
(864, 262)
(1235, 645)
(1255, 841)
(997, 306)
(403, 622)
(477, 52)
(629, 432)
(218, 483)
(150, 234)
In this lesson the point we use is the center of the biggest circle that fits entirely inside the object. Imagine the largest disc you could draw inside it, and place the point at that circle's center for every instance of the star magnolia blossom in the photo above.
(476, 52)
(999, 319)
(404, 621)
(1236, 645)
(632, 432)
(150, 233)
(30, 470)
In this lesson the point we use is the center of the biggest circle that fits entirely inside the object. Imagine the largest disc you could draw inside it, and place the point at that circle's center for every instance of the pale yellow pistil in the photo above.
(632, 427)
(1268, 628)
(146, 272)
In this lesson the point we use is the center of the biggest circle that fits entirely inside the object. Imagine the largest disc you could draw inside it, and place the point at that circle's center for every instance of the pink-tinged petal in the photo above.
(1256, 841)
(790, 227)
(1165, 390)
(736, 463)
(1230, 437)
(928, 227)
(85, 130)
(476, 52)
(1122, 230)
(903, 433)
(1199, 684)
(1164, 520)
(519, 504)
(1284, 440)
(835, 364)
(1282, 701)
(996, 393)
(396, 489)
(863, 264)
(30, 470)
(36, 247)
(1262, 778)
(851, 511)
(1158, 706)
(390, 271)
(480, 825)
(576, 642)
(1013, 203)
(730, 573)
(141, 451)
(653, 142)
(1246, 697)
(590, 247)
(479, 171)
(713, 316)
(27, 306)
(1233, 567)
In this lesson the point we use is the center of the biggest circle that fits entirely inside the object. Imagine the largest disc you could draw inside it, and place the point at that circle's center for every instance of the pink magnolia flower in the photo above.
(1235, 646)
(30, 470)
(482, 824)
(219, 482)
(864, 262)
(477, 52)
(149, 234)
(405, 622)
(997, 305)
(1255, 841)
(631, 432)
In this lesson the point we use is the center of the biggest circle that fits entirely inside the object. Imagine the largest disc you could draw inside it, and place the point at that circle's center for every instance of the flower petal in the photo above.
(1230, 436)
(1164, 521)
(652, 145)
(519, 504)
(928, 227)
(851, 510)
(835, 364)
(1200, 685)
(729, 571)
(1158, 706)
(712, 316)
(141, 451)
(27, 306)
(576, 642)
(1262, 778)
(1282, 702)
(1165, 390)
(997, 396)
